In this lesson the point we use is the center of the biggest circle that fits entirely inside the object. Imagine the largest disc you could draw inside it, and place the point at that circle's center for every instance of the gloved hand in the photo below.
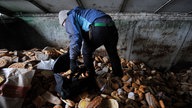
(74, 69)
(73, 66)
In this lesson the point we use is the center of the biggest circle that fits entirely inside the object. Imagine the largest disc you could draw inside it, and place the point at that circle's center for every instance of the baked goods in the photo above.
(95, 102)
(3, 62)
(2, 79)
(17, 65)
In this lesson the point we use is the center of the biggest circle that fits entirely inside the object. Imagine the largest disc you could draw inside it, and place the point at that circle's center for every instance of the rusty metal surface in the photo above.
(159, 43)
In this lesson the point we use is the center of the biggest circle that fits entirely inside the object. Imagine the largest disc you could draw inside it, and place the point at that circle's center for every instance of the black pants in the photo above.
(107, 36)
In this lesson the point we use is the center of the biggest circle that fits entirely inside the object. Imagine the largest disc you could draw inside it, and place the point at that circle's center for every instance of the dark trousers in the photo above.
(107, 36)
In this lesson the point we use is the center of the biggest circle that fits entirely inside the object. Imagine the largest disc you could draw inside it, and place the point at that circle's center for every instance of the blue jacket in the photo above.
(79, 19)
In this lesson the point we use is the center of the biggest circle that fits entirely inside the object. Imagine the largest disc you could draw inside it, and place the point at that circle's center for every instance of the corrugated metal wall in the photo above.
(159, 40)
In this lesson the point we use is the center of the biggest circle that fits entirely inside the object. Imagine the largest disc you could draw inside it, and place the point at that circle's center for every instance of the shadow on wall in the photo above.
(16, 34)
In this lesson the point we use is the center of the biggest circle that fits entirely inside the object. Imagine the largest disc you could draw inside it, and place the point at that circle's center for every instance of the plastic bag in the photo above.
(14, 89)
(67, 89)
(45, 65)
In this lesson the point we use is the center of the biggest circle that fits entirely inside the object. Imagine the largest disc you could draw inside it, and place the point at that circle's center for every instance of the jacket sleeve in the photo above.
(74, 32)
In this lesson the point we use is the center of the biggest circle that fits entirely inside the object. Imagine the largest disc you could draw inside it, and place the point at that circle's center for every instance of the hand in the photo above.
(73, 66)
(74, 69)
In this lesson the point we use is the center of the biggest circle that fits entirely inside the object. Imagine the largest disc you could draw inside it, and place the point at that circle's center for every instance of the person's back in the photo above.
(93, 28)
(85, 17)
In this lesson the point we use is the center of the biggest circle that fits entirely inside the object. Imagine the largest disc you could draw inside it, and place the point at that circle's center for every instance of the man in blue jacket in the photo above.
(90, 28)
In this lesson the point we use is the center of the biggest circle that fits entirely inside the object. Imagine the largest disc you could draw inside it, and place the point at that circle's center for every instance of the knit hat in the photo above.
(62, 16)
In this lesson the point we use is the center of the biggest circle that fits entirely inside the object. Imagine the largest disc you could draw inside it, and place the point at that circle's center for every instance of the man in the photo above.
(92, 28)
